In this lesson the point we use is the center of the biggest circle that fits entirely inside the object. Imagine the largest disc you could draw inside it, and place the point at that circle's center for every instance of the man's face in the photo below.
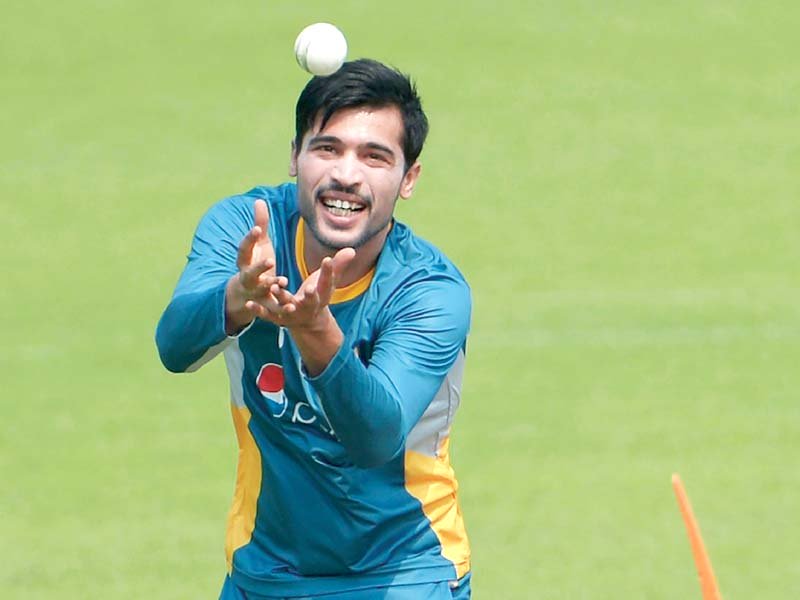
(350, 174)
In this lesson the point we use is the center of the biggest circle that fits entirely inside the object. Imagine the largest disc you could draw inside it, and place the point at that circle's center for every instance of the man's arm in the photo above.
(306, 313)
(220, 278)
(256, 264)
(372, 408)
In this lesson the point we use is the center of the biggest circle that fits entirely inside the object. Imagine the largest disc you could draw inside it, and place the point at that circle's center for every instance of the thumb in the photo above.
(341, 260)
(261, 217)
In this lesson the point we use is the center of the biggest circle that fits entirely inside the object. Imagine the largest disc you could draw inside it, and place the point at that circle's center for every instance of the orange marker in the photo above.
(708, 583)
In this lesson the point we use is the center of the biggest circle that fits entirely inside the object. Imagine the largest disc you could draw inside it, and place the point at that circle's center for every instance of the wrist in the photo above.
(322, 323)
(237, 317)
(318, 341)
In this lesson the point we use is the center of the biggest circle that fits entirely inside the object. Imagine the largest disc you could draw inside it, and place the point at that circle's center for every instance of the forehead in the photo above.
(363, 124)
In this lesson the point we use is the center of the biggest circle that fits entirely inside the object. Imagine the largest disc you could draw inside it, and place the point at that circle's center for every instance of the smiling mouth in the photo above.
(342, 208)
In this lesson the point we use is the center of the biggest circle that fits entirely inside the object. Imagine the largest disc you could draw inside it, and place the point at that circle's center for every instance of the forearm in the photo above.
(191, 324)
(367, 418)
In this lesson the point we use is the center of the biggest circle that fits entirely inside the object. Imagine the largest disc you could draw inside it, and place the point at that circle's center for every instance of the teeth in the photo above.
(341, 207)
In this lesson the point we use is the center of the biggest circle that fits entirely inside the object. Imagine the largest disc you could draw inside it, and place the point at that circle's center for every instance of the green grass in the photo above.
(617, 180)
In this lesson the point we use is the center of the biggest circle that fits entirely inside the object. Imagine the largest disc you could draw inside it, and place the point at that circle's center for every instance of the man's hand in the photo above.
(250, 287)
(306, 313)
(306, 308)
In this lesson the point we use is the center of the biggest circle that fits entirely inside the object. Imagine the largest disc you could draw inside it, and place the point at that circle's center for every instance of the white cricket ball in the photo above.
(320, 49)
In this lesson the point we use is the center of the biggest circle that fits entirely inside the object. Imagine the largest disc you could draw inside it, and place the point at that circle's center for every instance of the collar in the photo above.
(344, 294)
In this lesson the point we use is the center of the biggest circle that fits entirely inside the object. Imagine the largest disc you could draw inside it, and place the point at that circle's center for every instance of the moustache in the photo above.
(366, 199)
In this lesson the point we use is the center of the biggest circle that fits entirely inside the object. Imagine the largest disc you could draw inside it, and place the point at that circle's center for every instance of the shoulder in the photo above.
(234, 214)
(414, 275)
(412, 259)
(281, 199)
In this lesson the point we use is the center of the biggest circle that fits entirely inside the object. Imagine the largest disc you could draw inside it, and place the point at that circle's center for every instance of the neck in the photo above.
(365, 259)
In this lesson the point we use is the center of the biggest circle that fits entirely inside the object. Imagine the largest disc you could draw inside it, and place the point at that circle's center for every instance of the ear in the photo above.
(293, 161)
(410, 180)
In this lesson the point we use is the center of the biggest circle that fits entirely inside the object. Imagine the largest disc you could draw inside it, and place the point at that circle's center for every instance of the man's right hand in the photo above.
(256, 263)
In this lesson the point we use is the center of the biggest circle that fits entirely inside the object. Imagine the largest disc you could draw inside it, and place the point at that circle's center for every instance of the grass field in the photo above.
(618, 181)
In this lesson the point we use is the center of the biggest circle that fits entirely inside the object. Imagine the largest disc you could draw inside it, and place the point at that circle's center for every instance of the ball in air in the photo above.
(320, 49)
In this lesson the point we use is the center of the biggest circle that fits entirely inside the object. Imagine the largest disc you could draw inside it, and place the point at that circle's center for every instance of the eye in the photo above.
(323, 149)
(377, 158)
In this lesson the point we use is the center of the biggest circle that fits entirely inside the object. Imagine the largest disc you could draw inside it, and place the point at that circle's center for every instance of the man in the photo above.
(344, 337)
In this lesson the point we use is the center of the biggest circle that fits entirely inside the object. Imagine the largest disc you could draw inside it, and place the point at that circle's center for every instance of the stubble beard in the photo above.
(309, 214)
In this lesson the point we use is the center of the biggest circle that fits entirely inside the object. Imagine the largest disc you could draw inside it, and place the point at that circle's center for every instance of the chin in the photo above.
(336, 239)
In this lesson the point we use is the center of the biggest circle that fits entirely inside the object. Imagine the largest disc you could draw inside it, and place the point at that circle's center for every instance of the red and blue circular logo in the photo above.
(270, 383)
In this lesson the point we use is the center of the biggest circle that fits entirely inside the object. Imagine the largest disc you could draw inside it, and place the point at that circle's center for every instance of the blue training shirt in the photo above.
(344, 480)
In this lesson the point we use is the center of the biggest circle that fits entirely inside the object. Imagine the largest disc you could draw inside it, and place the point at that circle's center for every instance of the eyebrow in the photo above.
(332, 139)
(381, 148)
(326, 139)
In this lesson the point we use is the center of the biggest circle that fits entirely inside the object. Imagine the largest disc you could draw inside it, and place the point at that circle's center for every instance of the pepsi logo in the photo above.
(270, 382)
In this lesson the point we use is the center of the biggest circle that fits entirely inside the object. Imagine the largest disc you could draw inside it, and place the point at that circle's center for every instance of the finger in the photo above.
(269, 311)
(325, 280)
(260, 291)
(250, 276)
(246, 246)
(270, 280)
(261, 217)
(282, 295)
(257, 310)
(309, 299)
(325, 283)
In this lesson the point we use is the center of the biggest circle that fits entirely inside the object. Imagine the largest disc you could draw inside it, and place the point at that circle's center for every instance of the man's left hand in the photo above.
(308, 308)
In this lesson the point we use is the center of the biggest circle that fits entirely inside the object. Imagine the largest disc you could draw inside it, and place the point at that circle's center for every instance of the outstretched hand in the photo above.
(252, 285)
(308, 308)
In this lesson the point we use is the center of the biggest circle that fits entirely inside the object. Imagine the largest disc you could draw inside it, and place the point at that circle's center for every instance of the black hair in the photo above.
(363, 82)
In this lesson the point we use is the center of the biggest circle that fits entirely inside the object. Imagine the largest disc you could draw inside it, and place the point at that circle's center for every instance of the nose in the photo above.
(347, 170)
